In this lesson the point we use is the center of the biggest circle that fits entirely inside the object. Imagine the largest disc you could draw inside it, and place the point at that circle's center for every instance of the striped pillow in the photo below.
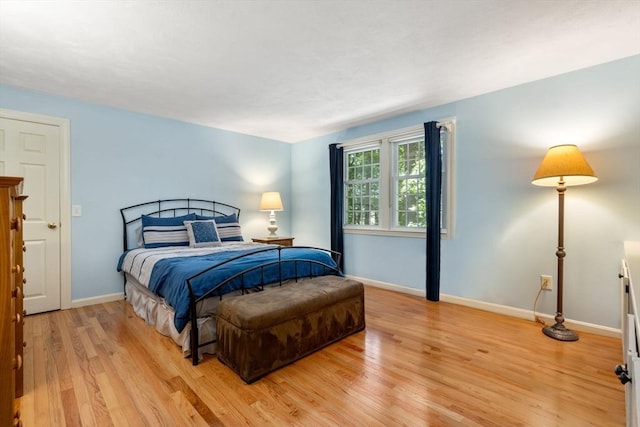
(219, 219)
(229, 231)
(170, 231)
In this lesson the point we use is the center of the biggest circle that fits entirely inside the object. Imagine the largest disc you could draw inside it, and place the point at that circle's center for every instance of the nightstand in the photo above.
(277, 240)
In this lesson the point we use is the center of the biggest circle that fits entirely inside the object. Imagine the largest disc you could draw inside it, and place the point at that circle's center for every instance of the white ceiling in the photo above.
(291, 70)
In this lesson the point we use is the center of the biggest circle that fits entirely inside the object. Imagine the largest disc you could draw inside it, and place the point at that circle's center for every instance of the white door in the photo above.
(32, 150)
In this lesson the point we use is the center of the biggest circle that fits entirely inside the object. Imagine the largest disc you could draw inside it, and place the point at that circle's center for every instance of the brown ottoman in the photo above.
(260, 332)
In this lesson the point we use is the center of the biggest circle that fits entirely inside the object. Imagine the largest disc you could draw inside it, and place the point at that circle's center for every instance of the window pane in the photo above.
(355, 159)
(362, 187)
(410, 191)
(402, 204)
(411, 219)
(375, 188)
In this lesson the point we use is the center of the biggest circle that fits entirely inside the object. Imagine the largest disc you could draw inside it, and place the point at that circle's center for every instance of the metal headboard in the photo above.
(131, 215)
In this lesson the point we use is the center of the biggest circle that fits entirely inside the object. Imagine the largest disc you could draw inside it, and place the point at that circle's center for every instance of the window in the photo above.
(409, 183)
(362, 187)
(385, 182)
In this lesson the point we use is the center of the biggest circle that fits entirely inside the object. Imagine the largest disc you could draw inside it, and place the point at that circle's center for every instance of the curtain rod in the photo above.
(445, 124)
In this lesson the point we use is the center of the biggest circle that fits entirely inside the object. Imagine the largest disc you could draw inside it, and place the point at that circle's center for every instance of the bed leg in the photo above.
(194, 335)
(194, 346)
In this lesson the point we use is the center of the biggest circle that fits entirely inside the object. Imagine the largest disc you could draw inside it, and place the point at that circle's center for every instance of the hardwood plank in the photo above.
(417, 363)
(82, 396)
(39, 391)
(116, 394)
(185, 406)
(27, 402)
(120, 412)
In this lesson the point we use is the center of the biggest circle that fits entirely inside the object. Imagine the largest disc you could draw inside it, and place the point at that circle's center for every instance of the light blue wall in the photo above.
(119, 158)
(506, 228)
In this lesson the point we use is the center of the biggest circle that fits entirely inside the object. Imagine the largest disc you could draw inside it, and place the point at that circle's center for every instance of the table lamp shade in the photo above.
(271, 201)
(566, 163)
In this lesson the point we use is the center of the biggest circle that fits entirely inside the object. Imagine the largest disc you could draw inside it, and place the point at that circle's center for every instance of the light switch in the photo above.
(76, 210)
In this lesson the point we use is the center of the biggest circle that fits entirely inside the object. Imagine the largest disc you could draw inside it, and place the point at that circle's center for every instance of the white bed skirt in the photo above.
(155, 311)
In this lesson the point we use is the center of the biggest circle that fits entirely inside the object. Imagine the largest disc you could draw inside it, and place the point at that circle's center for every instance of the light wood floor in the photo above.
(417, 363)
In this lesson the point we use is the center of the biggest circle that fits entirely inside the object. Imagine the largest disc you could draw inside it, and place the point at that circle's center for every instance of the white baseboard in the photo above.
(467, 302)
(496, 308)
(82, 302)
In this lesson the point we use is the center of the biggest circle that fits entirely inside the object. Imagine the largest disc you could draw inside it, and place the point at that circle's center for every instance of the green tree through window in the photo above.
(385, 185)
(363, 187)
(410, 208)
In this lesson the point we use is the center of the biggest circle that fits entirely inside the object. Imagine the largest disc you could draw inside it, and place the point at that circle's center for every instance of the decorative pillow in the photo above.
(202, 233)
(169, 231)
(219, 219)
(139, 240)
(229, 231)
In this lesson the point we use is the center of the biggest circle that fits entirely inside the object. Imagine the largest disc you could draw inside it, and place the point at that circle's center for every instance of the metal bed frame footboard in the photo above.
(193, 300)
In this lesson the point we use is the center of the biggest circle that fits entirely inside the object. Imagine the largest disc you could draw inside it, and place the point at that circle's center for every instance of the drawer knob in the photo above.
(16, 269)
(15, 224)
(17, 362)
(16, 293)
(24, 280)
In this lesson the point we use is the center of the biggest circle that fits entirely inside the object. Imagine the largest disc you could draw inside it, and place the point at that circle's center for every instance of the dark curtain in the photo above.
(433, 177)
(336, 165)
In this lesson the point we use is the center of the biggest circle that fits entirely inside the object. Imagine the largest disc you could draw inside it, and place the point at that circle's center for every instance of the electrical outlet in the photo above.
(546, 282)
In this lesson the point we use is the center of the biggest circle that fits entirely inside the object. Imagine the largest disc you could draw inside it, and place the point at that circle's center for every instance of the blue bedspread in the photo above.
(170, 269)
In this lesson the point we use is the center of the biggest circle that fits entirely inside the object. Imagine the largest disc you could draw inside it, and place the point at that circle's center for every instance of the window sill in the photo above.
(391, 233)
(394, 233)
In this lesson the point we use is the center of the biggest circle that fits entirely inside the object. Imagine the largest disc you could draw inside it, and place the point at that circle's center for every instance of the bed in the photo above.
(182, 257)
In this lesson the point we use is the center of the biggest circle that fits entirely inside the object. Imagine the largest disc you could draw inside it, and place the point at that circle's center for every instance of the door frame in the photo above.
(65, 193)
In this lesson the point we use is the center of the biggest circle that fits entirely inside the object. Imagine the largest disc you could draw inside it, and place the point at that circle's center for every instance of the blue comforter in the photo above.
(165, 271)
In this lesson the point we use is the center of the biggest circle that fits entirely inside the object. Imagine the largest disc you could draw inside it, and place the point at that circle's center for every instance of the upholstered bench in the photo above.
(263, 331)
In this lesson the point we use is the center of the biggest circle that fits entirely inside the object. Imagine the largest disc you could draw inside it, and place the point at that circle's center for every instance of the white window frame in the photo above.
(358, 149)
(394, 178)
(387, 197)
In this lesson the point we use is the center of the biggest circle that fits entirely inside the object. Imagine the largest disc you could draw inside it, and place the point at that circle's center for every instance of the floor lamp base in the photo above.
(559, 332)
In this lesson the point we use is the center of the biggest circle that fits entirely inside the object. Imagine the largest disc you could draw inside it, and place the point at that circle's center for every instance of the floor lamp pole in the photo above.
(559, 331)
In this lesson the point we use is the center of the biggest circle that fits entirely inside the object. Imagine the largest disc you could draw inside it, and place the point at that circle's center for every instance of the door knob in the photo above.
(52, 225)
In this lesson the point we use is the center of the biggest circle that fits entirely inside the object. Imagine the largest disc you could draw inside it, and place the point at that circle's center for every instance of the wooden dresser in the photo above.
(11, 309)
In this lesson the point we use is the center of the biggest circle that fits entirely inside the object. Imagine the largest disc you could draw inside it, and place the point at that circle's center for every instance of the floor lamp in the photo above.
(562, 166)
